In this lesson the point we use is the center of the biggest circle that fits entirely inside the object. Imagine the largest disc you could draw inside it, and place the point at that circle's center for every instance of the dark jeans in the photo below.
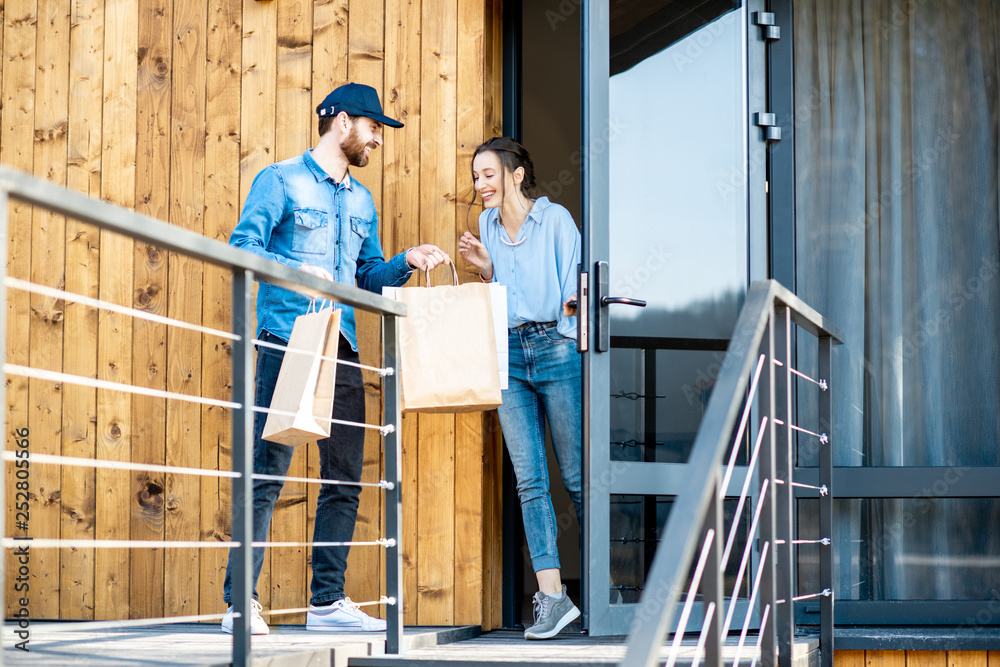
(340, 457)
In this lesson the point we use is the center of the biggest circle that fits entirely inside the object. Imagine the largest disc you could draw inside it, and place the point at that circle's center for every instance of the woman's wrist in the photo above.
(486, 274)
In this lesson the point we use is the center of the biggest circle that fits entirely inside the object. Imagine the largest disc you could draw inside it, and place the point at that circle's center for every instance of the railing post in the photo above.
(768, 519)
(784, 613)
(711, 579)
(393, 496)
(826, 504)
(242, 462)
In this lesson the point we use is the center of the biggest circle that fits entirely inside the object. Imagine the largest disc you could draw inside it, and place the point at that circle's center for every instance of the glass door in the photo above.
(673, 216)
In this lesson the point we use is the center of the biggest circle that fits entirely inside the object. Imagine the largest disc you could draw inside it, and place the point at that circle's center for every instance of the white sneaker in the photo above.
(342, 616)
(257, 624)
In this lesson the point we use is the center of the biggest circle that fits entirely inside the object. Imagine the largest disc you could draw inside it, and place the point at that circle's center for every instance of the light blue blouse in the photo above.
(540, 273)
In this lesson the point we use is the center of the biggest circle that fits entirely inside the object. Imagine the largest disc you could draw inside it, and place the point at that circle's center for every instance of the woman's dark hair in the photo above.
(511, 155)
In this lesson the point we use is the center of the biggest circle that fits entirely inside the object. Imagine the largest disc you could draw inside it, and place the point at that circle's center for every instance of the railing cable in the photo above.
(69, 297)
(47, 543)
(383, 484)
(383, 600)
(753, 599)
(55, 376)
(92, 626)
(743, 424)
(384, 430)
(731, 538)
(284, 348)
(689, 600)
(703, 635)
(760, 635)
(77, 462)
(731, 608)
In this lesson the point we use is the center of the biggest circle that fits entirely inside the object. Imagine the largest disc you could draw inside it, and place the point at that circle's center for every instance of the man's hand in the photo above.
(317, 271)
(426, 257)
(476, 254)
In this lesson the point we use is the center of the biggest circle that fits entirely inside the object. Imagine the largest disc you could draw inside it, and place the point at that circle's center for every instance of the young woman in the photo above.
(532, 246)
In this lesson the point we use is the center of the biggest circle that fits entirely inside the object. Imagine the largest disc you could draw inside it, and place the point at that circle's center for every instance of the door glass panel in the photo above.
(641, 429)
(678, 157)
(636, 525)
(677, 148)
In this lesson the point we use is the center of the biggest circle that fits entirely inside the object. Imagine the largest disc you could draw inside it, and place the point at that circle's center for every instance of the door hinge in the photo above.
(769, 30)
(767, 121)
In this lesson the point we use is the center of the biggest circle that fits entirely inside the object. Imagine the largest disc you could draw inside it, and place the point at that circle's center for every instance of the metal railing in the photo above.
(245, 268)
(694, 538)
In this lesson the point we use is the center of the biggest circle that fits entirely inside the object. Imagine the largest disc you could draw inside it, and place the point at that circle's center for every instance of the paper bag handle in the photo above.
(454, 273)
(312, 305)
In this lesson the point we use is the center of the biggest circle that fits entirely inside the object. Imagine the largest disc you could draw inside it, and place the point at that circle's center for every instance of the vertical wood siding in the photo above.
(171, 107)
(916, 659)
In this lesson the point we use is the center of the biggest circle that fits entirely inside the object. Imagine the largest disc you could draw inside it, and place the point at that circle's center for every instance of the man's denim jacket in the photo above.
(296, 214)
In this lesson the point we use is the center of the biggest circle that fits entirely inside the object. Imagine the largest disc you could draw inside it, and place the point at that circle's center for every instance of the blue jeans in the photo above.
(340, 457)
(544, 382)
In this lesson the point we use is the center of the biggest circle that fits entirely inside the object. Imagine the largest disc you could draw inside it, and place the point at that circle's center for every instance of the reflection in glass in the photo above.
(677, 148)
(637, 522)
(909, 549)
(678, 192)
(682, 386)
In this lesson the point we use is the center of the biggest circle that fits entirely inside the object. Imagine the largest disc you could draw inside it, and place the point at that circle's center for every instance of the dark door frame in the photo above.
(513, 535)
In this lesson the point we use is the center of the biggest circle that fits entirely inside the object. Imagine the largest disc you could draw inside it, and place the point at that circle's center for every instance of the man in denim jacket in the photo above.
(310, 214)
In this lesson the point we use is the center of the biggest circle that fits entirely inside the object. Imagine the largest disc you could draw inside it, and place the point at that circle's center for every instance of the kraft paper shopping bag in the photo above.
(447, 348)
(306, 381)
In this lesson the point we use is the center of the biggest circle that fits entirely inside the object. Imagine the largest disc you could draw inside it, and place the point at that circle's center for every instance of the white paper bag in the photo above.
(498, 302)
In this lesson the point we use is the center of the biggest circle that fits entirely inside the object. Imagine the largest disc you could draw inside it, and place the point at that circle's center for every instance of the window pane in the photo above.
(907, 548)
(897, 224)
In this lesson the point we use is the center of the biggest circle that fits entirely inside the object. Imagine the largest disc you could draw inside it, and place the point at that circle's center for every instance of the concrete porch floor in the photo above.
(203, 645)
(506, 647)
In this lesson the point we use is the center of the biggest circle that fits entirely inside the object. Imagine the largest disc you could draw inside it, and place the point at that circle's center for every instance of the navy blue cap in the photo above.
(356, 99)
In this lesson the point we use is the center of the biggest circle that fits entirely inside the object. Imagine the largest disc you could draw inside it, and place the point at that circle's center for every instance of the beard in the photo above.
(354, 149)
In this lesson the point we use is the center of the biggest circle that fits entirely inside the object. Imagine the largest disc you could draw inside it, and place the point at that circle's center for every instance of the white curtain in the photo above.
(898, 243)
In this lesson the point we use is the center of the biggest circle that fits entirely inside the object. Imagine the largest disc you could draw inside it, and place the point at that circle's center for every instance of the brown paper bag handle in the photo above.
(454, 273)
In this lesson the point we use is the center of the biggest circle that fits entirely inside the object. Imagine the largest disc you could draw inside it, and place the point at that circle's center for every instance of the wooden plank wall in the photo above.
(171, 107)
(916, 659)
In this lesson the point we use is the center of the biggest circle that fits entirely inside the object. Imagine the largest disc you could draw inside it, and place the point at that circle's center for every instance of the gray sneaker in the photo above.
(551, 615)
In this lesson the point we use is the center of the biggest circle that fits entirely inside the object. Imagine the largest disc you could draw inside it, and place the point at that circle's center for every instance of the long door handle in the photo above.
(602, 320)
(623, 300)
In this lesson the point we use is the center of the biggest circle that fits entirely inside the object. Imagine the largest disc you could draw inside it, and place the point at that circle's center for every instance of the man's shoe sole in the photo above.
(568, 618)
(229, 631)
(338, 628)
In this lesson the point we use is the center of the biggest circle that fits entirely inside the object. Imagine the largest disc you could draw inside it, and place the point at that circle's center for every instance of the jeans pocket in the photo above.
(312, 231)
(552, 334)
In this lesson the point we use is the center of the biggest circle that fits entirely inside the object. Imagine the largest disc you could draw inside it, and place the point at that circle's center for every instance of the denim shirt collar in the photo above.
(321, 175)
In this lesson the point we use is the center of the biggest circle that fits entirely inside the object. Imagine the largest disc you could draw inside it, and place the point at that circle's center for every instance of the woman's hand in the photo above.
(570, 310)
(476, 254)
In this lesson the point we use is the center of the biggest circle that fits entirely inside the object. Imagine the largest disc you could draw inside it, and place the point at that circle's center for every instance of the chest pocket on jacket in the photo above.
(360, 229)
(312, 231)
